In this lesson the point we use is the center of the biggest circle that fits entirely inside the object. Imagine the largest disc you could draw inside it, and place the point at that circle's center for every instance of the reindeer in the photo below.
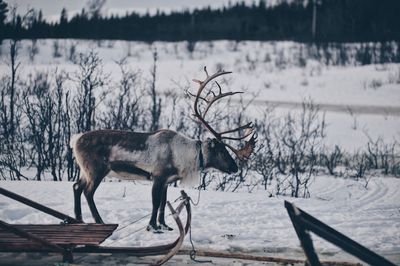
(162, 157)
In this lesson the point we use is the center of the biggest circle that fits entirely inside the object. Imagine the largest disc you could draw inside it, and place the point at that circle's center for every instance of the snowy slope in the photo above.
(244, 222)
(268, 68)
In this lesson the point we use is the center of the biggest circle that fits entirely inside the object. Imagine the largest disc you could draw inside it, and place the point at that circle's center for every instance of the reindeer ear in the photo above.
(209, 142)
(212, 144)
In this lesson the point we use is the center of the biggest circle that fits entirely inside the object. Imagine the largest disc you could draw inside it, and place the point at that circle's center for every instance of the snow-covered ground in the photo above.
(268, 68)
(242, 222)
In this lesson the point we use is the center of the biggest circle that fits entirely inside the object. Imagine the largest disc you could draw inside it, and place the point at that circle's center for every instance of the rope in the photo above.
(193, 252)
(129, 234)
(198, 199)
(137, 220)
(141, 218)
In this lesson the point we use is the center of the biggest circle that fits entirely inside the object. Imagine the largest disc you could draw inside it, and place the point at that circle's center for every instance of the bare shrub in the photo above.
(293, 144)
(155, 106)
(44, 110)
(383, 156)
(191, 46)
(264, 162)
(12, 154)
(332, 159)
(374, 84)
(72, 53)
(90, 80)
(124, 111)
(394, 76)
(33, 50)
(56, 49)
(359, 164)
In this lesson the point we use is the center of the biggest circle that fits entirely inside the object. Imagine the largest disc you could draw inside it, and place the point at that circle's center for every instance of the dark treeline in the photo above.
(336, 21)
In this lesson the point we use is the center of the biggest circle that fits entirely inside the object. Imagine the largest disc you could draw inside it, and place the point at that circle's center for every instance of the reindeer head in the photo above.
(216, 154)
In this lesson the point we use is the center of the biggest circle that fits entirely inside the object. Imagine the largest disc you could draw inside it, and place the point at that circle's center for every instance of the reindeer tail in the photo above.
(74, 139)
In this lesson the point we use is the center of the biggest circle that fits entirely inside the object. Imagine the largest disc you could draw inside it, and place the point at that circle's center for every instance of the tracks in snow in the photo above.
(337, 108)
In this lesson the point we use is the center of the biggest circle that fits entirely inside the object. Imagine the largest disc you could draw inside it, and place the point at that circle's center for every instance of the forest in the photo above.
(335, 21)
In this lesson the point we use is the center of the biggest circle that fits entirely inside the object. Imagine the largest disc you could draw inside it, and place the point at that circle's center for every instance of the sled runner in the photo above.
(72, 236)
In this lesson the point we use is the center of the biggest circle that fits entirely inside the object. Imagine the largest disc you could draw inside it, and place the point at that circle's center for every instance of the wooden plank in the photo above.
(32, 237)
(74, 234)
(61, 233)
(54, 236)
(72, 239)
(92, 227)
(57, 241)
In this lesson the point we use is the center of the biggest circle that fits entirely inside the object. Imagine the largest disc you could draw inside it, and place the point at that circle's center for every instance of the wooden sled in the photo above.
(72, 236)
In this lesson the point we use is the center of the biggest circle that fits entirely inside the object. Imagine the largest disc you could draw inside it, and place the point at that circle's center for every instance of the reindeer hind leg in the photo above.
(97, 175)
(89, 194)
(78, 188)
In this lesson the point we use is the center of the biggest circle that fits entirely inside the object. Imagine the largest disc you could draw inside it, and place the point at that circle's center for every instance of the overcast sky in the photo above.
(52, 8)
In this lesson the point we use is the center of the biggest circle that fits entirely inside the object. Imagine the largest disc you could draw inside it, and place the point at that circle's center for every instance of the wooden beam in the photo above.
(314, 225)
(260, 258)
(303, 235)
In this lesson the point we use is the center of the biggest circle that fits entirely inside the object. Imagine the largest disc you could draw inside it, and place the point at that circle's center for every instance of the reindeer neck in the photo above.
(200, 156)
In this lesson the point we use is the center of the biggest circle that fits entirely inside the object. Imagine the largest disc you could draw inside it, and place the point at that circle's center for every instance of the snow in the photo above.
(242, 222)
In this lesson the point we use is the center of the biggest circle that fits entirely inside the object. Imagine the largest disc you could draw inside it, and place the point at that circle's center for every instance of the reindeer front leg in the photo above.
(161, 214)
(156, 194)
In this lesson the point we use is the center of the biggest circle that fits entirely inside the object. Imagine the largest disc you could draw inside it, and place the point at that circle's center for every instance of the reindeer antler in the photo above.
(209, 102)
(244, 153)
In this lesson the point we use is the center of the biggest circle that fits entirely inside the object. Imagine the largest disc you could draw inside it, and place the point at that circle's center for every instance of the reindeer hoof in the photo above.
(164, 227)
(154, 229)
